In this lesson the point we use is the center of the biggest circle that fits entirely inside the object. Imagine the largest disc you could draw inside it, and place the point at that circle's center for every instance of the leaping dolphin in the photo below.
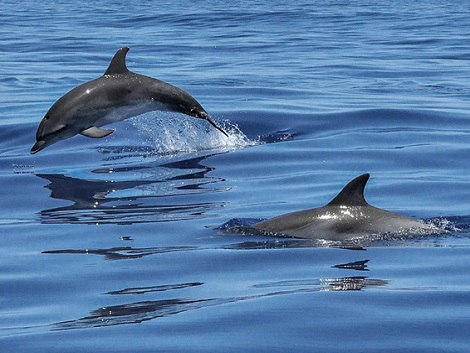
(117, 95)
(346, 217)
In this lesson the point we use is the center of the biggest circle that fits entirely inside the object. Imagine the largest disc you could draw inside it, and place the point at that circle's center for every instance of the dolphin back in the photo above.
(345, 217)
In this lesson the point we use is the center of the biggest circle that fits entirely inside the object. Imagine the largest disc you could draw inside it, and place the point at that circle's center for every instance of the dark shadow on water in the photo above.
(273, 242)
(122, 253)
(356, 265)
(140, 200)
(161, 288)
(133, 313)
(140, 311)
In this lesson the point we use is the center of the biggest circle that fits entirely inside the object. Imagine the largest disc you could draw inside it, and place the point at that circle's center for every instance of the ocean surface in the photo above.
(119, 244)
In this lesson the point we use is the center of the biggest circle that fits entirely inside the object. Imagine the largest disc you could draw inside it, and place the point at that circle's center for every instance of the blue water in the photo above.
(114, 245)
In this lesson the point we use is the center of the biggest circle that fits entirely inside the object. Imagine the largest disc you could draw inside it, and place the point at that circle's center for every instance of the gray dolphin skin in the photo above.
(346, 217)
(117, 95)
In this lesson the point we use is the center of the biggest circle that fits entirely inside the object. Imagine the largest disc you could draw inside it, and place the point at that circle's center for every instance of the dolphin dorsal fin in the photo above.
(118, 63)
(353, 193)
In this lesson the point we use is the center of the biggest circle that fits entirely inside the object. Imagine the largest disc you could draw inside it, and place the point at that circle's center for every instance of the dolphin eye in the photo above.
(46, 117)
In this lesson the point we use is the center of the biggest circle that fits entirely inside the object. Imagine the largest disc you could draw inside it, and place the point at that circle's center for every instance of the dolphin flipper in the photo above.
(96, 132)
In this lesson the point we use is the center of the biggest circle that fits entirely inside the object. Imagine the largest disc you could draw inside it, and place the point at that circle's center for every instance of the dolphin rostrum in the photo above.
(117, 95)
(346, 217)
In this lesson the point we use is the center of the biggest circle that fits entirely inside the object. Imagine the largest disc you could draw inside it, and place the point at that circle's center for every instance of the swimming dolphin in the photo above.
(346, 217)
(117, 95)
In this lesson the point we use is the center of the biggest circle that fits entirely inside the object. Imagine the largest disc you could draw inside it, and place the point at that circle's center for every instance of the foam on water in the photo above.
(174, 133)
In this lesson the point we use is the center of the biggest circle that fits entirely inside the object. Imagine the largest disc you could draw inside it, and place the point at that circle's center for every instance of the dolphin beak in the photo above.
(206, 116)
(39, 145)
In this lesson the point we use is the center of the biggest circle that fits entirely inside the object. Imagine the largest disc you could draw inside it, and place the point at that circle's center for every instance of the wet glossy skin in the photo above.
(347, 216)
(117, 95)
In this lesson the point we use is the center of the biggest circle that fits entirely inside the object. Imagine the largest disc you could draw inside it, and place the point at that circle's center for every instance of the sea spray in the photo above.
(167, 135)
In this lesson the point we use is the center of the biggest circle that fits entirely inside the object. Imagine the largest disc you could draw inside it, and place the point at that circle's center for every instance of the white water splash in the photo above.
(174, 133)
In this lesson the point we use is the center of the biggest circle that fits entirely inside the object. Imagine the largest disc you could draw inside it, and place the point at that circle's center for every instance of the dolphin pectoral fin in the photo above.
(96, 132)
